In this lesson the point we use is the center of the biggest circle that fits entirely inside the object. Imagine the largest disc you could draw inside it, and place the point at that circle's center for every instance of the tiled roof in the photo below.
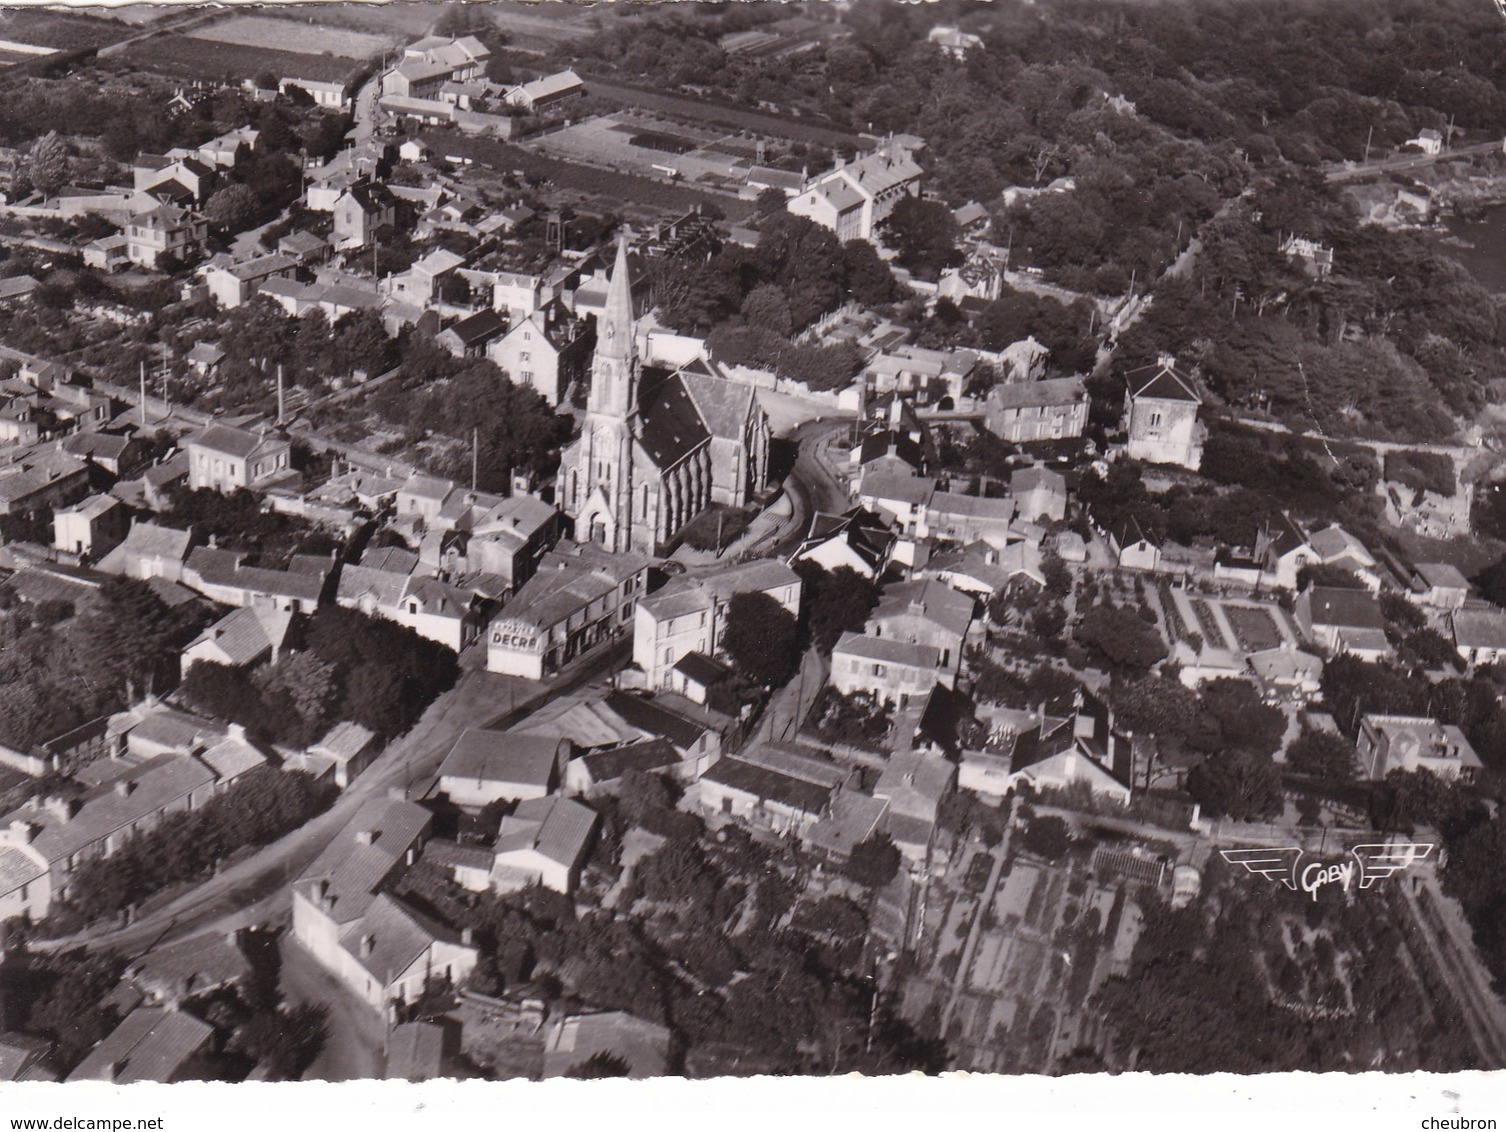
(344, 741)
(557, 828)
(16, 869)
(1442, 575)
(361, 857)
(238, 442)
(243, 635)
(770, 785)
(452, 854)
(700, 668)
(399, 936)
(653, 718)
(933, 600)
(608, 766)
(1038, 394)
(887, 651)
(150, 1045)
(1480, 628)
(502, 756)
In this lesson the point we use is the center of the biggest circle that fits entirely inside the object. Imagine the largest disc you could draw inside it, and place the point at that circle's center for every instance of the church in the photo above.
(657, 446)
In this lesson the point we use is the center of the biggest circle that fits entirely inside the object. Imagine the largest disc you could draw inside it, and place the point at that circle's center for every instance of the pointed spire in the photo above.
(617, 323)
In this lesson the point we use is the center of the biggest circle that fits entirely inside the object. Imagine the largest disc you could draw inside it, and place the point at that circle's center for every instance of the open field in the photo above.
(616, 190)
(640, 144)
(179, 56)
(278, 34)
(61, 31)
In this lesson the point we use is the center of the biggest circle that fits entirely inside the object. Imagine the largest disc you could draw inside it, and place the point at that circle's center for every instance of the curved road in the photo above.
(812, 484)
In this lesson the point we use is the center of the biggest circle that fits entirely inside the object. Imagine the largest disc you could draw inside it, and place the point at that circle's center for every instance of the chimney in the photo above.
(124, 787)
(22, 832)
(235, 731)
(61, 808)
(466, 937)
(368, 945)
(366, 837)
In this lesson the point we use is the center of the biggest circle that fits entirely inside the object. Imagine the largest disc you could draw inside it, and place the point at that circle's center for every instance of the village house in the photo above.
(1134, 548)
(48, 479)
(951, 517)
(1160, 416)
(152, 1044)
(233, 284)
(340, 756)
(1039, 494)
(782, 789)
(359, 211)
(241, 639)
(1049, 753)
(892, 671)
(1411, 743)
(164, 232)
(224, 576)
(382, 949)
(1439, 585)
(954, 42)
(91, 529)
(1479, 634)
(856, 197)
(1021, 412)
(149, 551)
(491, 766)
(542, 93)
(544, 842)
(470, 337)
(224, 458)
(858, 539)
(1343, 621)
(582, 596)
(547, 348)
(926, 612)
(593, 773)
(688, 615)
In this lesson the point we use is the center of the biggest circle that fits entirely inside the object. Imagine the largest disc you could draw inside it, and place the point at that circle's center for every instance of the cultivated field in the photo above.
(60, 31)
(281, 34)
(179, 56)
(635, 144)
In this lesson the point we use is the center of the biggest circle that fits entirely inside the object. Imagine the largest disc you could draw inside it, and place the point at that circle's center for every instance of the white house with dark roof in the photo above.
(1411, 743)
(546, 346)
(893, 671)
(491, 766)
(1479, 634)
(1439, 585)
(224, 458)
(544, 841)
(94, 527)
(1343, 621)
(149, 551)
(1161, 416)
(241, 639)
(689, 614)
(1025, 411)
(856, 197)
(1039, 493)
(926, 612)
(858, 539)
(770, 786)
(382, 949)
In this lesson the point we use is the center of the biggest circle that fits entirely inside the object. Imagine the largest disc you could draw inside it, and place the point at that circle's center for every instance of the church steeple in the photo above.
(617, 322)
(614, 372)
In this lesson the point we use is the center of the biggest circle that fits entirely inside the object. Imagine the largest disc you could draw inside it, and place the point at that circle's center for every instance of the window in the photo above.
(1155, 420)
(528, 375)
(878, 670)
(669, 656)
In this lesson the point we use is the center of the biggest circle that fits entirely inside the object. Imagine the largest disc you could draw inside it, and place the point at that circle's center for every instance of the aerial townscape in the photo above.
(550, 540)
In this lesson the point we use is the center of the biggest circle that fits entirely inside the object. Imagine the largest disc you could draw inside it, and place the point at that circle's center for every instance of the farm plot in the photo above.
(178, 56)
(280, 34)
(58, 30)
(1255, 627)
(645, 146)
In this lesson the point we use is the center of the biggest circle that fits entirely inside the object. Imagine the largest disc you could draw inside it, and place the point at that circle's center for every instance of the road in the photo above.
(812, 484)
(255, 890)
(1351, 172)
(1001, 854)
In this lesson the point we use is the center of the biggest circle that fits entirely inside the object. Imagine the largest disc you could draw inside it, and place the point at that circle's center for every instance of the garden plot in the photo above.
(650, 147)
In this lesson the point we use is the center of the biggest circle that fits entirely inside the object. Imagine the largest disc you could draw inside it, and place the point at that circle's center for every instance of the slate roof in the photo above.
(701, 669)
(1355, 609)
(1479, 628)
(768, 784)
(1442, 575)
(16, 869)
(344, 742)
(1161, 382)
(243, 635)
(672, 426)
(479, 328)
(239, 442)
(724, 405)
(934, 600)
(650, 716)
(399, 933)
(887, 650)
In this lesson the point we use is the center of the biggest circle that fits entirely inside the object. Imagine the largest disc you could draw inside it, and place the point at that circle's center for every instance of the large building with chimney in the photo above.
(657, 446)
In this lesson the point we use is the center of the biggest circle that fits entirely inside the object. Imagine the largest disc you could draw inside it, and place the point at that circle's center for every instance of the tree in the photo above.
(47, 164)
(925, 234)
(768, 309)
(762, 638)
(874, 861)
(599, 1066)
(1244, 786)
(869, 280)
(1121, 638)
(1323, 754)
(835, 601)
(1048, 837)
(233, 208)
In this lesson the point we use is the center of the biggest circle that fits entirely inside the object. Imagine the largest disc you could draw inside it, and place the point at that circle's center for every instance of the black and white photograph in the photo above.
(549, 542)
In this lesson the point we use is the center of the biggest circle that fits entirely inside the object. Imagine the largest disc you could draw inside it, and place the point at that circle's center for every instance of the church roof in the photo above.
(724, 405)
(672, 426)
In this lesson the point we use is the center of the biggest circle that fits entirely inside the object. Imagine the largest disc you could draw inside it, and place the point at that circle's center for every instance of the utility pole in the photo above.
(1368, 138)
(281, 403)
(475, 456)
(143, 394)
